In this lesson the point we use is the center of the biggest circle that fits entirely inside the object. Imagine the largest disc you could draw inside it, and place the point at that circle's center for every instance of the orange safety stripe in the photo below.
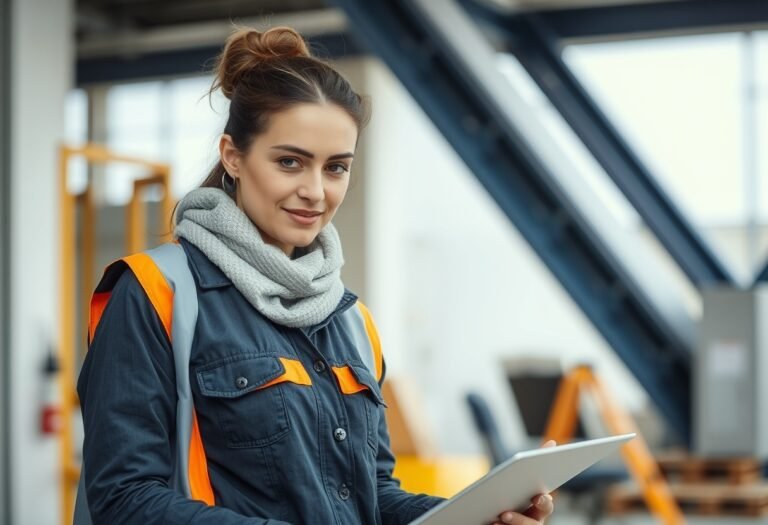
(347, 380)
(373, 337)
(197, 471)
(98, 304)
(160, 294)
(155, 286)
(294, 373)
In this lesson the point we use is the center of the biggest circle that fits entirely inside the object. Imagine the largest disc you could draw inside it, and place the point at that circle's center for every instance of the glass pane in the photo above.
(190, 106)
(680, 104)
(193, 154)
(196, 123)
(76, 134)
(678, 101)
(135, 106)
(168, 122)
(146, 144)
(760, 142)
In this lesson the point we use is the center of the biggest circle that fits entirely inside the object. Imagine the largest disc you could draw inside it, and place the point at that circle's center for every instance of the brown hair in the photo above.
(262, 73)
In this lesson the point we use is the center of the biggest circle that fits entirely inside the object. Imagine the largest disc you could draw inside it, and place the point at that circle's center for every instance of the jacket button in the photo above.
(340, 434)
(319, 367)
(344, 492)
(241, 382)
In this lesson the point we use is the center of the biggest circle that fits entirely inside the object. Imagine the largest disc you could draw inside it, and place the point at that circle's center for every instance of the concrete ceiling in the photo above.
(104, 16)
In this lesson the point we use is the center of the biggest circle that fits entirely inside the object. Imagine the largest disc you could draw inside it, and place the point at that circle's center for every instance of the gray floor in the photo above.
(566, 517)
(568, 513)
(563, 518)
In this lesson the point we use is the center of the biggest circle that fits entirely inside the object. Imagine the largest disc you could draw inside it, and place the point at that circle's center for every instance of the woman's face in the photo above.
(295, 175)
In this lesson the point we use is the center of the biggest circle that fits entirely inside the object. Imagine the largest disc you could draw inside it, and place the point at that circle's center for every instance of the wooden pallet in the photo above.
(679, 466)
(696, 498)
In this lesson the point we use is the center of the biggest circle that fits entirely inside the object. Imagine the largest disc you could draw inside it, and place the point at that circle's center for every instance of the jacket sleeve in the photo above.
(127, 390)
(396, 506)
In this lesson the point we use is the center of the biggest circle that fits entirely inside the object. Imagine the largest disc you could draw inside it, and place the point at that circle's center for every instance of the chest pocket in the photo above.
(245, 395)
(356, 380)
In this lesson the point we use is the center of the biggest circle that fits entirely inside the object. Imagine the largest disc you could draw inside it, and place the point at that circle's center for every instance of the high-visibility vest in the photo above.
(165, 277)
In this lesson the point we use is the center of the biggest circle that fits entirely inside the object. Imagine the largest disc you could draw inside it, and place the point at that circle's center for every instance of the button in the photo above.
(344, 493)
(340, 434)
(319, 367)
(241, 382)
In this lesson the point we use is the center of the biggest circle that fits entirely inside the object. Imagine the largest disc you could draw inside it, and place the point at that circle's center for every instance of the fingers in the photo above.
(542, 506)
(549, 444)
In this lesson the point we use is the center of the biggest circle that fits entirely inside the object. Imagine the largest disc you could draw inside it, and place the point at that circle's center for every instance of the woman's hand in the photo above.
(541, 507)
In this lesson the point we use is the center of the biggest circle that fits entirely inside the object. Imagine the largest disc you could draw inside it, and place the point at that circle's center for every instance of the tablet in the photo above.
(512, 484)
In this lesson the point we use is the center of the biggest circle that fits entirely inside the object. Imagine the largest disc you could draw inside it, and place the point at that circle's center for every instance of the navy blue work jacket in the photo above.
(284, 454)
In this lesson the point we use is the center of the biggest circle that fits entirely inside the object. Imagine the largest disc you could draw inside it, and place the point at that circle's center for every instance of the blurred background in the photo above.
(550, 192)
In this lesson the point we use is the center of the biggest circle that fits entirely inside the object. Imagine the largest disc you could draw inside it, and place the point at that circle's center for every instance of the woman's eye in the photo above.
(289, 163)
(337, 169)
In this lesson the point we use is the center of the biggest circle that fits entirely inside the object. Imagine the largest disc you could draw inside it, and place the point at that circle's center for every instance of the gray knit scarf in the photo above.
(297, 292)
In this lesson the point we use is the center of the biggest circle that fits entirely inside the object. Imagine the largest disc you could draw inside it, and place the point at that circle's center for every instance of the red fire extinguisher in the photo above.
(50, 421)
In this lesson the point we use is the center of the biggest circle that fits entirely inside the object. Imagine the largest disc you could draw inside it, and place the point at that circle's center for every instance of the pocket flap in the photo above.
(236, 376)
(355, 377)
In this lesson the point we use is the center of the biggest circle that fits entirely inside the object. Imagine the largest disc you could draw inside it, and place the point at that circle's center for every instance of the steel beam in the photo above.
(438, 53)
(186, 61)
(535, 45)
(654, 18)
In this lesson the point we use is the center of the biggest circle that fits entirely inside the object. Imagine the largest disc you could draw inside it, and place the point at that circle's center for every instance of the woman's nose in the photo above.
(312, 186)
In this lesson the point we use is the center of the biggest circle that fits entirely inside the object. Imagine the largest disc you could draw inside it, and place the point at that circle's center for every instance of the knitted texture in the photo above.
(297, 292)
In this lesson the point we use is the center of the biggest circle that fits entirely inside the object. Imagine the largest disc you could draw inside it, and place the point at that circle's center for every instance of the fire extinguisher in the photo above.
(50, 415)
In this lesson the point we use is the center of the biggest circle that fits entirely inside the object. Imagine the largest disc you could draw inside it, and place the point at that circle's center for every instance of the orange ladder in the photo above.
(640, 462)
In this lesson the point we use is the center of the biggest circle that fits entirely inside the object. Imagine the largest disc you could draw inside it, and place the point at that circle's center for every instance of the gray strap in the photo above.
(172, 262)
(355, 323)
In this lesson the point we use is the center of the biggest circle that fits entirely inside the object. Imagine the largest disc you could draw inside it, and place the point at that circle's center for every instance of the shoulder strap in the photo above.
(164, 274)
(360, 324)
(191, 469)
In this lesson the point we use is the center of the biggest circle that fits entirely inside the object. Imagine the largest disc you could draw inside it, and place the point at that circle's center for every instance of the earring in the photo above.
(228, 183)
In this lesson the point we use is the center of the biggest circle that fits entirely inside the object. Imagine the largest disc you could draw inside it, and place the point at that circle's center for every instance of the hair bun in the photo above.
(246, 48)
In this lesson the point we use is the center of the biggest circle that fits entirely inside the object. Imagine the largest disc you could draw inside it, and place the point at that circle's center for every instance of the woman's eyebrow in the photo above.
(305, 153)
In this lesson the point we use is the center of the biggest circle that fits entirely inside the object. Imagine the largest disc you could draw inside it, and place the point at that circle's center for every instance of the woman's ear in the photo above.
(230, 156)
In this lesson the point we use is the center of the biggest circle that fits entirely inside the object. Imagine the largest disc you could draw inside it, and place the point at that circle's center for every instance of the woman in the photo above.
(288, 423)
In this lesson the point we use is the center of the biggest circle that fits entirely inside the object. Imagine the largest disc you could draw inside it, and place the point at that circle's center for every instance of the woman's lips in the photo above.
(305, 218)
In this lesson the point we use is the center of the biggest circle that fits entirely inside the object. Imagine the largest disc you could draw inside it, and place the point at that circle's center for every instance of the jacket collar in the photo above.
(207, 274)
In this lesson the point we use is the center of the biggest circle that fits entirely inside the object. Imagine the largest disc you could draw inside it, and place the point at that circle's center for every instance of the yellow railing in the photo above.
(159, 175)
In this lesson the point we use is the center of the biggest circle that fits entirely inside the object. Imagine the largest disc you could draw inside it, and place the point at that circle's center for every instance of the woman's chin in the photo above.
(301, 241)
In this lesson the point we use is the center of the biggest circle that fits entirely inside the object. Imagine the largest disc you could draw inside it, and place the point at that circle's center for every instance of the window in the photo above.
(694, 109)
(165, 121)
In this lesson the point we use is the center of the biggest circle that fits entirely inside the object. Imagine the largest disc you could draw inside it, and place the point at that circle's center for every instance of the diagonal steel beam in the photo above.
(536, 46)
(644, 18)
(448, 67)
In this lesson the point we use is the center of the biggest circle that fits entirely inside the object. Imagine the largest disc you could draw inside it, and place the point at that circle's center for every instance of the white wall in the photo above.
(42, 66)
(454, 287)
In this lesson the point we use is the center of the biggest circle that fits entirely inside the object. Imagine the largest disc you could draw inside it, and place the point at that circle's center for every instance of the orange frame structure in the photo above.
(135, 241)
(637, 456)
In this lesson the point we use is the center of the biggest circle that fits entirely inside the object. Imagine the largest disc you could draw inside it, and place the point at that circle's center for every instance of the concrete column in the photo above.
(41, 74)
(5, 233)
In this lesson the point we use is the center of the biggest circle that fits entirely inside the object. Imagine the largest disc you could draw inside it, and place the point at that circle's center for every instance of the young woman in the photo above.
(284, 368)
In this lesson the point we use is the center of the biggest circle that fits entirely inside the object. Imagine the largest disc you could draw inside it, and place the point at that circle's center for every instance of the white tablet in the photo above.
(512, 484)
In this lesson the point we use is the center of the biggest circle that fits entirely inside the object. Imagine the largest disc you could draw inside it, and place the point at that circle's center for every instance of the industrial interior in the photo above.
(558, 216)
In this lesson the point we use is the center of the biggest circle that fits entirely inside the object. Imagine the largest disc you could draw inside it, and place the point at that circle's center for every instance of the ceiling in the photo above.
(99, 17)
(105, 16)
